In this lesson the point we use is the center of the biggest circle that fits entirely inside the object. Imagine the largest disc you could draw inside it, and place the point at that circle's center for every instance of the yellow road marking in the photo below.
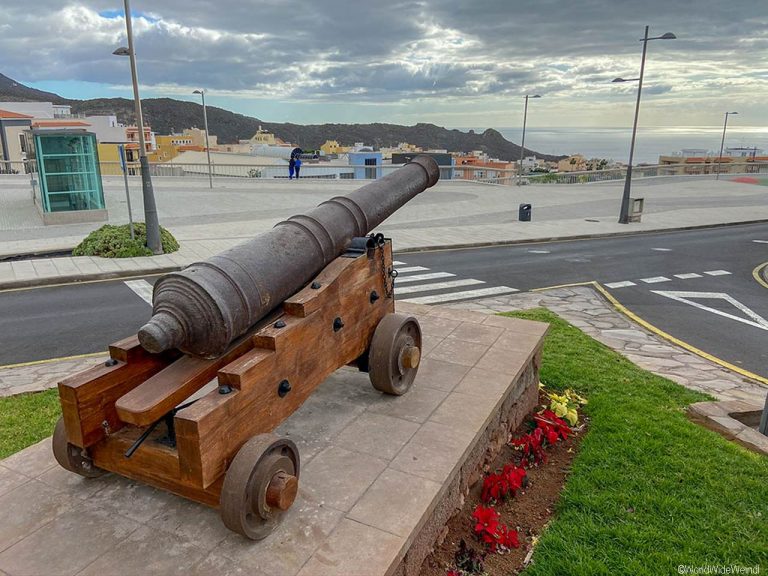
(49, 360)
(756, 274)
(648, 326)
(589, 283)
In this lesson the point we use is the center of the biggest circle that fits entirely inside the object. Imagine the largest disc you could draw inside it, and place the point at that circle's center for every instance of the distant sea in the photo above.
(651, 143)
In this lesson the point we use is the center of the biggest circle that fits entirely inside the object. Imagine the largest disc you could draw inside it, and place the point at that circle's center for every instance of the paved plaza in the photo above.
(452, 213)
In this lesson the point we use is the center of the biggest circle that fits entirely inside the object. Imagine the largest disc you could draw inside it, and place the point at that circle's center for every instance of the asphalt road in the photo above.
(716, 305)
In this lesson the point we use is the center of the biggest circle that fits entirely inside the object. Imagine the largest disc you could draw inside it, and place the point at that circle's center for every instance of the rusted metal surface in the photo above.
(203, 308)
(261, 483)
(395, 354)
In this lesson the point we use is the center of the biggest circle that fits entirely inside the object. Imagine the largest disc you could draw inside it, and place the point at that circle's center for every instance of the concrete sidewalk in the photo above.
(453, 213)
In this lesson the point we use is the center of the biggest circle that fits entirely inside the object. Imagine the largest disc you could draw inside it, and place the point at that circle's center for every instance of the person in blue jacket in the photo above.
(291, 168)
(297, 166)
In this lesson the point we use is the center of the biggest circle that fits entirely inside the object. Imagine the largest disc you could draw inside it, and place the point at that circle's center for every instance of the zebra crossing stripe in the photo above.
(717, 273)
(419, 277)
(142, 288)
(411, 269)
(465, 295)
(620, 284)
(437, 286)
(688, 276)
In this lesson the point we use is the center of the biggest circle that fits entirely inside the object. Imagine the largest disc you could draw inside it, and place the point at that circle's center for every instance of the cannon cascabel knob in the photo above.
(162, 332)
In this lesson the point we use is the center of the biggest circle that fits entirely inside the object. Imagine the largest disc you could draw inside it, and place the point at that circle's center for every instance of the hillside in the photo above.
(167, 116)
(12, 91)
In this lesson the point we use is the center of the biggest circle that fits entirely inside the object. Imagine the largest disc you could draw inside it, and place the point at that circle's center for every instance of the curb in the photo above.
(573, 237)
(77, 278)
(151, 271)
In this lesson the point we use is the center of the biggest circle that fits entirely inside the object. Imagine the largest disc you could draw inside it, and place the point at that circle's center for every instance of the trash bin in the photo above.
(636, 209)
(524, 214)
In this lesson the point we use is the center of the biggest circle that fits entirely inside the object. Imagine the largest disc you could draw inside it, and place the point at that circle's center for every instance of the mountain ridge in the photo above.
(167, 115)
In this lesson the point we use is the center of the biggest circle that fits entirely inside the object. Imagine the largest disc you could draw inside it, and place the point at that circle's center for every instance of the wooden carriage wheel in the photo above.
(260, 484)
(395, 354)
(71, 457)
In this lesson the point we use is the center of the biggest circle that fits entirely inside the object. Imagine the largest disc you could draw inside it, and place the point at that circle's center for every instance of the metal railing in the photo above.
(323, 171)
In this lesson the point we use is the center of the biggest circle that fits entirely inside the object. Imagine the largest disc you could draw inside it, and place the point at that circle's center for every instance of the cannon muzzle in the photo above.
(203, 308)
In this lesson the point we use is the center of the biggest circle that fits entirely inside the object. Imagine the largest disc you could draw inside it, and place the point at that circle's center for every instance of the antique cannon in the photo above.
(201, 309)
(264, 324)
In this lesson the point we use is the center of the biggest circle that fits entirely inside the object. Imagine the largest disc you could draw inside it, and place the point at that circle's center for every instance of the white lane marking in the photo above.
(418, 277)
(688, 276)
(539, 251)
(398, 263)
(654, 280)
(436, 286)
(142, 288)
(495, 291)
(685, 297)
(620, 284)
(761, 241)
(717, 273)
(411, 269)
(662, 249)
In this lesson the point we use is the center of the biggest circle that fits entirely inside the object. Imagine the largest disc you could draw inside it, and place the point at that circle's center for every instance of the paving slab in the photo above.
(378, 476)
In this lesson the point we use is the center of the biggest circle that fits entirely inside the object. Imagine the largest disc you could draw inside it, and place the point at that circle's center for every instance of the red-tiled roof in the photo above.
(57, 124)
(8, 114)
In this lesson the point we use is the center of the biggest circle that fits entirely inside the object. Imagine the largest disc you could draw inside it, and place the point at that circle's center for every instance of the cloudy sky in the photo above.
(452, 62)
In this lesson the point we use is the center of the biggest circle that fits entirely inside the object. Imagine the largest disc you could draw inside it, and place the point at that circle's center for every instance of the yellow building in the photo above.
(333, 147)
(197, 138)
(264, 138)
(168, 147)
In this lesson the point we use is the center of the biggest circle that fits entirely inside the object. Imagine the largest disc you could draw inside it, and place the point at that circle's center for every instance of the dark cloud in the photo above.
(388, 52)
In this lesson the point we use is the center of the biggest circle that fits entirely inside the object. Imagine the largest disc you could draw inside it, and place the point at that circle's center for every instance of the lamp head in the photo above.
(122, 51)
(667, 36)
(197, 92)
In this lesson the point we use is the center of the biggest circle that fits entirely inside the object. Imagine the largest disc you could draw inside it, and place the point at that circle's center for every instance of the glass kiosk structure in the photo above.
(70, 188)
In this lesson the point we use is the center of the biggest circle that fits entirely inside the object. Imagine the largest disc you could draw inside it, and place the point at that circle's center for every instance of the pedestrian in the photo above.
(291, 168)
(297, 166)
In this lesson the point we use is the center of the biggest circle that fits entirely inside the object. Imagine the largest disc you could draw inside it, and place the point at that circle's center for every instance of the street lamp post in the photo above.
(722, 143)
(150, 208)
(522, 145)
(205, 125)
(624, 212)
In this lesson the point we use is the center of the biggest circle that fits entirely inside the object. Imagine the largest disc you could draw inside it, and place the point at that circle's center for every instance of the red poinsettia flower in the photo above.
(508, 538)
(549, 420)
(495, 487)
(515, 477)
(486, 520)
(453, 572)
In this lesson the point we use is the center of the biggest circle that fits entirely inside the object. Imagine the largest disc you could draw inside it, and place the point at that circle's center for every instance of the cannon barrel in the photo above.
(203, 308)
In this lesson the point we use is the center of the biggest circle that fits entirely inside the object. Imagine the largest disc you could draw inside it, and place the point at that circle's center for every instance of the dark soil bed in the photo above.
(529, 510)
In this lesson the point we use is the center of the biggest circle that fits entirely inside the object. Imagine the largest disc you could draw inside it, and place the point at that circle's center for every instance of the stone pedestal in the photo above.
(380, 475)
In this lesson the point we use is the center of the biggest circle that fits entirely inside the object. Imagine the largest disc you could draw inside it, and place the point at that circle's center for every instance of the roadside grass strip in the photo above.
(649, 490)
(26, 419)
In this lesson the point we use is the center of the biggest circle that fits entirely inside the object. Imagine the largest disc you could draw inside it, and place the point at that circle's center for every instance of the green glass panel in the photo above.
(69, 175)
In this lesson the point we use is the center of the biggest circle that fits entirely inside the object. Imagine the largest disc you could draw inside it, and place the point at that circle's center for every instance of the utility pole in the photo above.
(150, 208)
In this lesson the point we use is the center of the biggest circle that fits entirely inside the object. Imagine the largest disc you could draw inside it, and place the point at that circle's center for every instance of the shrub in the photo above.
(115, 242)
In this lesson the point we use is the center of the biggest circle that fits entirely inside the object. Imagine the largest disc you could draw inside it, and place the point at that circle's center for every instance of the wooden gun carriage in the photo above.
(148, 414)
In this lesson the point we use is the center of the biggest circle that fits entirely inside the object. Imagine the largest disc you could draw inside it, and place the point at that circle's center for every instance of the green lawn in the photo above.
(649, 490)
(26, 419)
